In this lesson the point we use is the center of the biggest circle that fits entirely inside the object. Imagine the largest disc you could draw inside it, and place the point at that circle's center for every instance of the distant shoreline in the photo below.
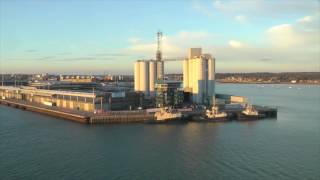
(288, 83)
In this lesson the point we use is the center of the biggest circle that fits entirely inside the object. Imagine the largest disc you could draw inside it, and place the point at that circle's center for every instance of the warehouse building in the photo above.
(89, 102)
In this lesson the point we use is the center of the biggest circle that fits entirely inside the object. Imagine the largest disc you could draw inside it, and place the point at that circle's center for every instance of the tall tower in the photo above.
(159, 48)
(199, 76)
(159, 62)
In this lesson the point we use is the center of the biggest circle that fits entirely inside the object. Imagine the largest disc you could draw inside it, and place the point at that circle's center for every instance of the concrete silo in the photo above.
(144, 76)
(152, 76)
(199, 76)
(190, 73)
(137, 76)
(211, 79)
(185, 73)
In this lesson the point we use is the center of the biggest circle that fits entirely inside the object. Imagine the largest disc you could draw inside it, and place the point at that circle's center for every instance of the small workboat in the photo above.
(250, 113)
(166, 115)
(213, 115)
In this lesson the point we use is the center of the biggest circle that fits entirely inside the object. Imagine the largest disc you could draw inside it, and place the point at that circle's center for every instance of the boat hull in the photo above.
(170, 120)
(206, 119)
(244, 117)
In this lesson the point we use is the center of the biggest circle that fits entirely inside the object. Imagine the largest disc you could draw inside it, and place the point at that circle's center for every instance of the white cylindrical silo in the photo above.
(195, 77)
(137, 76)
(185, 73)
(152, 76)
(211, 79)
(200, 79)
(190, 67)
(144, 77)
(211, 69)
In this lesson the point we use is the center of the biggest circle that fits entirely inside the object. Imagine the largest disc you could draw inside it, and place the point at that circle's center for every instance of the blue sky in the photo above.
(95, 37)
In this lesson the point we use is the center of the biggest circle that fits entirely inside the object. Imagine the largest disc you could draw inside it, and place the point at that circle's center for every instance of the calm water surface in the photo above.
(34, 146)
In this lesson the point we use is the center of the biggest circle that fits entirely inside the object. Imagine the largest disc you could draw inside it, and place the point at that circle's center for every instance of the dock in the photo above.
(51, 111)
(133, 116)
(121, 117)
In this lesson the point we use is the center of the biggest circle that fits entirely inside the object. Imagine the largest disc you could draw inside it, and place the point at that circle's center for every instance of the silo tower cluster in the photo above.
(199, 76)
(146, 74)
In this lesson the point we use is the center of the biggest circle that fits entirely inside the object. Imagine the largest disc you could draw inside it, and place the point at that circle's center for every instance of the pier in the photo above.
(134, 116)
(121, 117)
(80, 116)
(52, 111)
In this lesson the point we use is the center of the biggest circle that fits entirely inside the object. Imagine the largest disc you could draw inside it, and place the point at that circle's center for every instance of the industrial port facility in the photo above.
(150, 98)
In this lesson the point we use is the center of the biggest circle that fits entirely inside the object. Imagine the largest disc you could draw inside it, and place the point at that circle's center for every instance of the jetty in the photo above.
(134, 116)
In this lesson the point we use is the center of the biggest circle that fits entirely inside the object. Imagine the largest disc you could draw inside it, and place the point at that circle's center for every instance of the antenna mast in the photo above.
(159, 49)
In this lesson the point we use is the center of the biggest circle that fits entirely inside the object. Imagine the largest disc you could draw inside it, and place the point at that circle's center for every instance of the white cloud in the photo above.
(172, 45)
(265, 7)
(236, 44)
(134, 40)
(306, 19)
(201, 8)
(241, 19)
(288, 47)
(303, 34)
(283, 35)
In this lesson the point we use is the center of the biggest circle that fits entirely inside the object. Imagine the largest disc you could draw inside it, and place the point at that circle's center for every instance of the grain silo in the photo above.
(144, 76)
(198, 74)
(152, 76)
(137, 76)
(185, 73)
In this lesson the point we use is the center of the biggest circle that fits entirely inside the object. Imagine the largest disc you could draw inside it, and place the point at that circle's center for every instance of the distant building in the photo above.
(199, 76)
(168, 94)
(76, 79)
(123, 100)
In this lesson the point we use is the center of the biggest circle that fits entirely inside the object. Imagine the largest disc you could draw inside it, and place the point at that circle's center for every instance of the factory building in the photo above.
(199, 76)
(169, 94)
(80, 101)
(76, 79)
(146, 74)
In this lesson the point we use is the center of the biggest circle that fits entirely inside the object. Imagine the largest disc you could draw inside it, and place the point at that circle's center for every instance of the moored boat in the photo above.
(250, 113)
(166, 115)
(213, 115)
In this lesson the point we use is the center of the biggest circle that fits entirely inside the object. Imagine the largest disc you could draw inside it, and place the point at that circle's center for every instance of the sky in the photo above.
(106, 37)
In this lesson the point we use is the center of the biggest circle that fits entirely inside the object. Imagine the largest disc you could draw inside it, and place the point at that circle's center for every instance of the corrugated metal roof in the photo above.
(48, 92)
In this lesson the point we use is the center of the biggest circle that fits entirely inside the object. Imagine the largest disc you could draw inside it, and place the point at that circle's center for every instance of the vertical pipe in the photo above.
(101, 103)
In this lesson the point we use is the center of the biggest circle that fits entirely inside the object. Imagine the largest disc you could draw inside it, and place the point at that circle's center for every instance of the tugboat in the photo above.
(216, 116)
(166, 115)
(213, 115)
(250, 113)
